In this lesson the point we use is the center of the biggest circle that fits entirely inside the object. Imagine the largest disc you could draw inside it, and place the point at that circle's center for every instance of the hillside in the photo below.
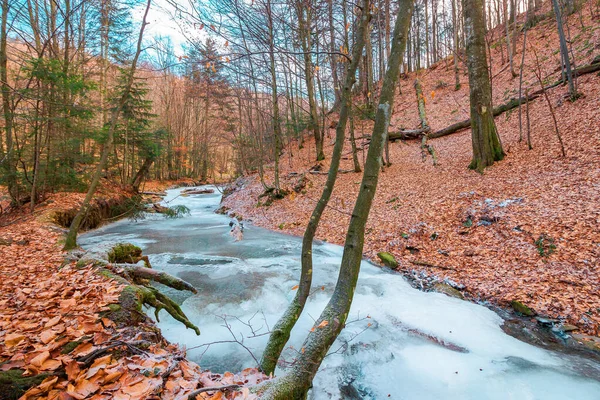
(526, 230)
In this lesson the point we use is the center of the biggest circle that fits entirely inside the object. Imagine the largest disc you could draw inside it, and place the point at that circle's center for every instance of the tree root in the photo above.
(138, 292)
(152, 297)
(132, 347)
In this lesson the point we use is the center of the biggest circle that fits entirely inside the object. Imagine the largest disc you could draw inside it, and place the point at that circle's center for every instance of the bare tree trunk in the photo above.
(332, 48)
(486, 142)
(71, 239)
(456, 48)
(281, 331)
(304, 32)
(509, 49)
(8, 160)
(353, 144)
(296, 383)
(275, 98)
(564, 51)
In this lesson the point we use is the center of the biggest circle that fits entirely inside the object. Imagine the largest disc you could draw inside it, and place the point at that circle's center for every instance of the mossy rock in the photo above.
(448, 290)
(124, 253)
(13, 384)
(388, 259)
(522, 308)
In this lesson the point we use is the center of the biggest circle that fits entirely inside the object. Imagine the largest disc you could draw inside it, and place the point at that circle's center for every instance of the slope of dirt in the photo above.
(526, 230)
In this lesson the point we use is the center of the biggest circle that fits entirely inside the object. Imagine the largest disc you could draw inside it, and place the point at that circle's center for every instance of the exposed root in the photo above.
(138, 290)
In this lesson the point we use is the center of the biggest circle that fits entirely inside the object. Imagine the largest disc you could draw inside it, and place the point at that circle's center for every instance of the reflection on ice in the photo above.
(400, 342)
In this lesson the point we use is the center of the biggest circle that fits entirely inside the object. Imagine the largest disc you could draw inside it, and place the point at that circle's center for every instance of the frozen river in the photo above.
(418, 345)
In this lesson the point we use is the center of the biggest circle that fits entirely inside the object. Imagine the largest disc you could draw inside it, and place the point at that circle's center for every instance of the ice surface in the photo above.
(419, 345)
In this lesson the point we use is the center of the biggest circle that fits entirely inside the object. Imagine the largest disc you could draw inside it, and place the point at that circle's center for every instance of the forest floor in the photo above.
(55, 337)
(526, 230)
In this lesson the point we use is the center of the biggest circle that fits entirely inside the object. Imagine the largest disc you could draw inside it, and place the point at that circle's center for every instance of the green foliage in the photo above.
(177, 211)
(545, 245)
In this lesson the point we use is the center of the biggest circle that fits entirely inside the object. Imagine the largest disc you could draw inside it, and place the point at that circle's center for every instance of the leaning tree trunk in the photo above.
(296, 383)
(281, 331)
(143, 172)
(486, 142)
(71, 239)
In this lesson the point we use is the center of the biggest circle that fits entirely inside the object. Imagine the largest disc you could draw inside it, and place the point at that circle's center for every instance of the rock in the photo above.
(522, 308)
(388, 259)
(544, 321)
(6, 242)
(222, 210)
(568, 328)
(591, 342)
(448, 290)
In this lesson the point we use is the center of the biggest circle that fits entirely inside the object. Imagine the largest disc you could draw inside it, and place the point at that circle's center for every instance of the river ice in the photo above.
(418, 345)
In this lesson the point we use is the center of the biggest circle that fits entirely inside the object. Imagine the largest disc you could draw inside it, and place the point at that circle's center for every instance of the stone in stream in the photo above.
(388, 259)
(522, 308)
(448, 290)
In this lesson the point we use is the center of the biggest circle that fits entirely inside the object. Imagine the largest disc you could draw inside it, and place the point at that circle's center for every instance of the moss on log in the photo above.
(124, 253)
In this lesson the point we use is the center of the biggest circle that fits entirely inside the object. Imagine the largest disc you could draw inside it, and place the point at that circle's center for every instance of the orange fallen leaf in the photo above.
(323, 324)
(13, 339)
(295, 287)
(72, 369)
(40, 359)
(51, 365)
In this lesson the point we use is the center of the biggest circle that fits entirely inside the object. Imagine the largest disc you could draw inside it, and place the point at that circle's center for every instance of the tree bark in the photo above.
(486, 142)
(281, 331)
(296, 383)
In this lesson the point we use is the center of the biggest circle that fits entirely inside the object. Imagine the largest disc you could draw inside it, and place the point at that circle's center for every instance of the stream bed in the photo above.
(400, 343)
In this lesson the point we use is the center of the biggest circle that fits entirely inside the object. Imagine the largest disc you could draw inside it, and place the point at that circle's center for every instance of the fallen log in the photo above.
(501, 109)
(429, 265)
(161, 194)
(198, 191)
(341, 171)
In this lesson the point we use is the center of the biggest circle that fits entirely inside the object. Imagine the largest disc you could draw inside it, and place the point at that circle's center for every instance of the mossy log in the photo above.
(138, 272)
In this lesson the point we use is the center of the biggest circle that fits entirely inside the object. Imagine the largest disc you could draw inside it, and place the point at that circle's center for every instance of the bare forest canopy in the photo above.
(253, 77)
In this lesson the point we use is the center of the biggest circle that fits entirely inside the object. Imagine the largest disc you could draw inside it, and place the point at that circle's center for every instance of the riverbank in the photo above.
(57, 337)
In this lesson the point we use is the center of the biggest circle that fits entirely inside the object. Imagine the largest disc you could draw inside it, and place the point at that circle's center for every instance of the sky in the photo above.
(162, 22)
